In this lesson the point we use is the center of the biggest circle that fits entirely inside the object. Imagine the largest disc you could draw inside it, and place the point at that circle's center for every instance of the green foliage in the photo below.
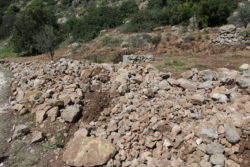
(7, 52)
(59, 143)
(46, 41)
(136, 41)
(111, 41)
(88, 27)
(247, 33)
(175, 62)
(28, 24)
(128, 8)
(244, 14)
(154, 39)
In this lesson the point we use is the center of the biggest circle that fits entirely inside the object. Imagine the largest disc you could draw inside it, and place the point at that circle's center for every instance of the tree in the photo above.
(28, 24)
(47, 41)
(244, 14)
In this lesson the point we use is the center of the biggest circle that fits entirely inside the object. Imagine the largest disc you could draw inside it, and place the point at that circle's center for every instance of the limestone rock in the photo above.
(84, 151)
(20, 131)
(71, 113)
(37, 137)
(214, 148)
(231, 134)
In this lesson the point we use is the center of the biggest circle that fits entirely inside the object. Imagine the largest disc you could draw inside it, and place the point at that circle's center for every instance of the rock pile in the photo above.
(134, 115)
(137, 58)
(229, 36)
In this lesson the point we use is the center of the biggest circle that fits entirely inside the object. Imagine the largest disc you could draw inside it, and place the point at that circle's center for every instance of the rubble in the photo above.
(135, 115)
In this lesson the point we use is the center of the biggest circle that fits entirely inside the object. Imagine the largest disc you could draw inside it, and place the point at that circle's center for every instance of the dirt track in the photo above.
(5, 117)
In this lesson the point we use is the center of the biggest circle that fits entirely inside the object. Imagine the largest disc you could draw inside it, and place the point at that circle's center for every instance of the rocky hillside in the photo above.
(78, 113)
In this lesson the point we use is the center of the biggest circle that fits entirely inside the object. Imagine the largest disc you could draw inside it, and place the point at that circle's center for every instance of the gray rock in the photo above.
(231, 134)
(227, 29)
(217, 159)
(137, 58)
(214, 148)
(186, 84)
(20, 130)
(209, 132)
(71, 113)
(208, 75)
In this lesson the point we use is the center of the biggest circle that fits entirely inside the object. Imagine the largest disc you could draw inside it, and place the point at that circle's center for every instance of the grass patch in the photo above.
(111, 41)
(201, 66)
(59, 143)
(6, 52)
(175, 63)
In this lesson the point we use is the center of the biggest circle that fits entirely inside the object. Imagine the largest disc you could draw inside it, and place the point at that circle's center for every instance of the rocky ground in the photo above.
(78, 113)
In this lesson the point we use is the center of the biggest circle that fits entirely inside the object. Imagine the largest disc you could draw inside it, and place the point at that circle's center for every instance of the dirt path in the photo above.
(5, 116)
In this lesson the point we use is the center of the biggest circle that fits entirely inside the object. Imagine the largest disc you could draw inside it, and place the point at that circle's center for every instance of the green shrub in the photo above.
(88, 27)
(247, 33)
(214, 12)
(28, 24)
(110, 41)
(244, 14)
(136, 41)
(154, 39)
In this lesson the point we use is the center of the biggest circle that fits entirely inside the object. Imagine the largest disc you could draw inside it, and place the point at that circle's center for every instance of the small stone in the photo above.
(214, 148)
(197, 99)
(37, 137)
(231, 134)
(217, 159)
(198, 141)
(209, 132)
(41, 115)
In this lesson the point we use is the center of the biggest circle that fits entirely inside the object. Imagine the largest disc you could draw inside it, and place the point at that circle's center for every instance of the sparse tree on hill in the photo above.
(47, 41)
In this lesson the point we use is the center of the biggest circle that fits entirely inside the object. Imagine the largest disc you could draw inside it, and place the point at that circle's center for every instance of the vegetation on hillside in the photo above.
(23, 22)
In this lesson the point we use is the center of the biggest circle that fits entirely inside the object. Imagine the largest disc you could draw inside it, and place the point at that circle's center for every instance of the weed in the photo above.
(136, 41)
(110, 41)
(59, 143)
(175, 62)
(6, 52)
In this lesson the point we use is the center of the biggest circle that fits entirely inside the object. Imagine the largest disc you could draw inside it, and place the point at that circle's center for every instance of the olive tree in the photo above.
(46, 41)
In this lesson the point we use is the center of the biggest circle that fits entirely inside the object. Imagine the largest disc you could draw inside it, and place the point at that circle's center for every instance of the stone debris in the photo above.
(228, 35)
(137, 58)
(134, 115)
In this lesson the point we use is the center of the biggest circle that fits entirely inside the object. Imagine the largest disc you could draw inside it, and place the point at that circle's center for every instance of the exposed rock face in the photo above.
(151, 117)
(85, 151)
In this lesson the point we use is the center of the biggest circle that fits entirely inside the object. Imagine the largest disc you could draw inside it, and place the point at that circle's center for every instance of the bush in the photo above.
(244, 14)
(28, 24)
(46, 41)
(88, 27)
(214, 12)
(136, 41)
(109, 41)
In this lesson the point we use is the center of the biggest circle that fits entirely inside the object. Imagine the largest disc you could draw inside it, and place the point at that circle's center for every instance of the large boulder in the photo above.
(86, 151)
(227, 28)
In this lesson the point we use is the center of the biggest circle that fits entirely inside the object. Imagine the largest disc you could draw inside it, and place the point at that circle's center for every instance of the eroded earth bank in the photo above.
(76, 113)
